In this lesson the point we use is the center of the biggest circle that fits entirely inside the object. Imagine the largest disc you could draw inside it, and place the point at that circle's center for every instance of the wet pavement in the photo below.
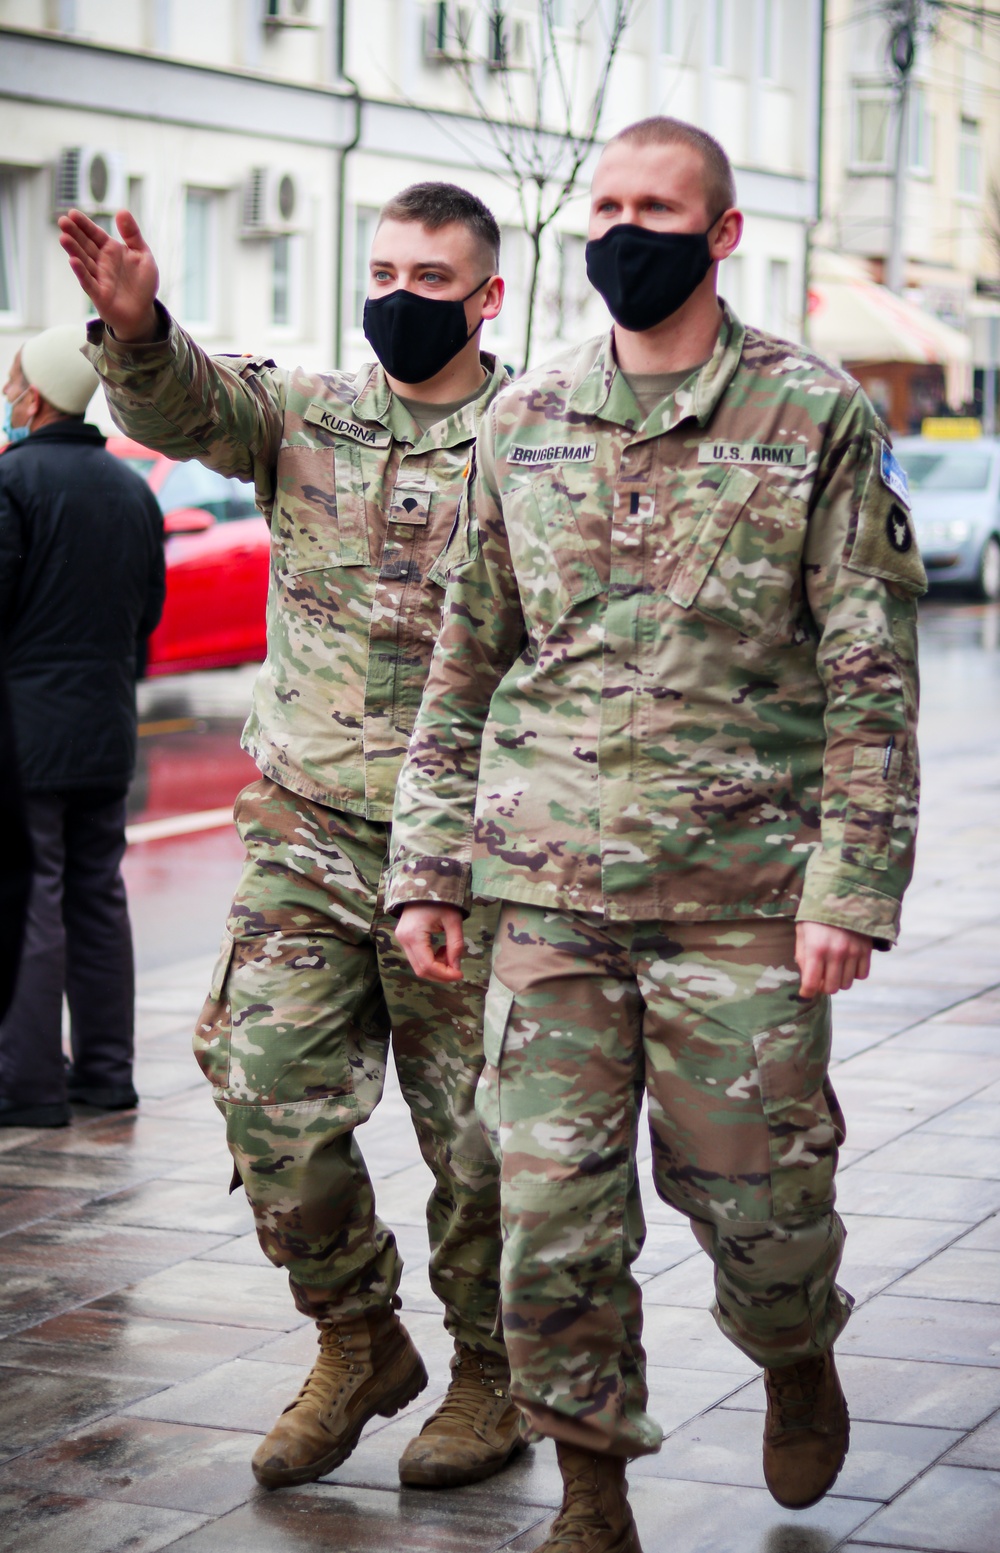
(145, 1344)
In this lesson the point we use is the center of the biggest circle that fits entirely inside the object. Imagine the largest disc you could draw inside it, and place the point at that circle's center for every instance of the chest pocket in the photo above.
(556, 563)
(742, 564)
(322, 515)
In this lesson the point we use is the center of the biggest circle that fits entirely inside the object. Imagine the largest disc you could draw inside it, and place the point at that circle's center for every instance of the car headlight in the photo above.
(958, 530)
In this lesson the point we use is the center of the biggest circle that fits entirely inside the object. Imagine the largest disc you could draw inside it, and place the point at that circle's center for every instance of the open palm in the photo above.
(120, 278)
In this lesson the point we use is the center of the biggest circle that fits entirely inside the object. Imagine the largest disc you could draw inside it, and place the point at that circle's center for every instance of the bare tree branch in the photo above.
(545, 144)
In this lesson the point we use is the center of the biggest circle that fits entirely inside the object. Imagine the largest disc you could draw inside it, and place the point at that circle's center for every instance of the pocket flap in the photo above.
(220, 969)
(710, 535)
(495, 1017)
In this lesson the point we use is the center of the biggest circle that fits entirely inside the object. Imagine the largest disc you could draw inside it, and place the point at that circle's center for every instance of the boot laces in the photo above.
(335, 1364)
(471, 1383)
(581, 1507)
(794, 1390)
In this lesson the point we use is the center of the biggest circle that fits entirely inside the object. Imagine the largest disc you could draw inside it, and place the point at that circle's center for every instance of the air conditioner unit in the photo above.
(448, 34)
(91, 180)
(289, 13)
(272, 203)
(510, 41)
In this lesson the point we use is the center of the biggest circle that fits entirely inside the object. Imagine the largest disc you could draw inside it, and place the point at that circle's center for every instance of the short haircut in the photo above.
(436, 205)
(720, 185)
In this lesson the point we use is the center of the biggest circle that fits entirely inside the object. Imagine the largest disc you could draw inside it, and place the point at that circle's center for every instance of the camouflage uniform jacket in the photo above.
(360, 507)
(686, 647)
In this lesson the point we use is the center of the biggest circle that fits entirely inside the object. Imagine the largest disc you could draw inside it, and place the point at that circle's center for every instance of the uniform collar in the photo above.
(375, 401)
(599, 389)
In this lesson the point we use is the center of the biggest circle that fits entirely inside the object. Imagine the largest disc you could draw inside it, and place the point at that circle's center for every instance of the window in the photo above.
(968, 158)
(731, 277)
(285, 287)
(777, 296)
(671, 24)
(573, 292)
(134, 199)
(10, 249)
(950, 471)
(873, 114)
(722, 34)
(365, 223)
(198, 288)
(192, 485)
(769, 39)
(920, 131)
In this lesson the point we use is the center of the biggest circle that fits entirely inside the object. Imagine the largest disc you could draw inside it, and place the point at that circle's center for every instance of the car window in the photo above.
(192, 485)
(953, 469)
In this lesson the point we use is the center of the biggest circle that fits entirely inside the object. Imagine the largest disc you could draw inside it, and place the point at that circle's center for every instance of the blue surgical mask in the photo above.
(9, 432)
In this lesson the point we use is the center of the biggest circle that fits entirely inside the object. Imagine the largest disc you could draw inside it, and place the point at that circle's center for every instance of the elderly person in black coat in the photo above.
(81, 587)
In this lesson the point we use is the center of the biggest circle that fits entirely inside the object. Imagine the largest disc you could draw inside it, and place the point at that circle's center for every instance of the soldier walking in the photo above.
(678, 648)
(360, 479)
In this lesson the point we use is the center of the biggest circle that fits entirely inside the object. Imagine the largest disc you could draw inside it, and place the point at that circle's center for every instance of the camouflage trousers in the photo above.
(582, 1018)
(295, 1038)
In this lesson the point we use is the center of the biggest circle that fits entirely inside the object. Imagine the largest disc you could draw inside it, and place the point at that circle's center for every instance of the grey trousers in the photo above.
(78, 940)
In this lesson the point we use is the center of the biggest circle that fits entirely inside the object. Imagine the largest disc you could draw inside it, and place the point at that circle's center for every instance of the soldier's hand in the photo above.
(830, 959)
(120, 279)
(416, 930)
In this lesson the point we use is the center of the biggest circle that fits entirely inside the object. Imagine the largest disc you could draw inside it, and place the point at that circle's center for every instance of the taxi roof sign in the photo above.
(951, 428)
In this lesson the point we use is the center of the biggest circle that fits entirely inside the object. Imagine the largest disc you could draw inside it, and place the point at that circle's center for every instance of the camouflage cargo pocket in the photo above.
(550, 553)
(742, 565)
(496, 1018)
(872, 793)
(320, 519)
(792, 1060)
(213, 1031)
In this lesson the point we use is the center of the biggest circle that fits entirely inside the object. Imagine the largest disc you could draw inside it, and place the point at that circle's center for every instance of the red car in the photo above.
(217, 565)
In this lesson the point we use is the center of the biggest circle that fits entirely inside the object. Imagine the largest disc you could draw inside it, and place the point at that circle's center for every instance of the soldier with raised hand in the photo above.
(360, 477)
(678, 653)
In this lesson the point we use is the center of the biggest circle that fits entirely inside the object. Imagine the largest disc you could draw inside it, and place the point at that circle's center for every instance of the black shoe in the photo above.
(121, 1099)
(14, 1115)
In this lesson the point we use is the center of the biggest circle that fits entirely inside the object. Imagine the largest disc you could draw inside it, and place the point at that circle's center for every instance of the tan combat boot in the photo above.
(474, 1432)
(367, 1364)
(595, 1516)
(806, 1431)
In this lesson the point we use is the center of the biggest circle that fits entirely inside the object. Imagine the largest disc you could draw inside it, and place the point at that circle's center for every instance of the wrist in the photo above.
(145, 332)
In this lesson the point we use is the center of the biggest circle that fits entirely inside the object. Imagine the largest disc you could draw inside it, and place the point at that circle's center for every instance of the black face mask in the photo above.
(645, 276)
(414, 337)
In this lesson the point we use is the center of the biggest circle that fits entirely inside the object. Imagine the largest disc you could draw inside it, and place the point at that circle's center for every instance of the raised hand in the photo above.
(120, 279)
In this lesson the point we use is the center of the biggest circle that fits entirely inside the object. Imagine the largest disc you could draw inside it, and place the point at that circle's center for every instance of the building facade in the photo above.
(950, 225)
(256, 139)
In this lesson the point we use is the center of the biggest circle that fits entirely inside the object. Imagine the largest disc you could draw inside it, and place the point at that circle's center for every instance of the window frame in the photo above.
(721, 21)
(12, 238)
(208, 199)
(969, 196)
(873, 92)
(292, 243)
(920, 124)
(367, 214)
(769, 43)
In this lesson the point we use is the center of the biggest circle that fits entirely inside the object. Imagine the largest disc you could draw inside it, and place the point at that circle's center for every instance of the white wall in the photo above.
(248, 103)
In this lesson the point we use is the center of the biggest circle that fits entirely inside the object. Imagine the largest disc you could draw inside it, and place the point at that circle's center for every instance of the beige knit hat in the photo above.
(52, 362)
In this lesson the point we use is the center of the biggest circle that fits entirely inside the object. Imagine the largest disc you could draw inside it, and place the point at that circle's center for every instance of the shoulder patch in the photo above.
(884, 543)
(893, 474)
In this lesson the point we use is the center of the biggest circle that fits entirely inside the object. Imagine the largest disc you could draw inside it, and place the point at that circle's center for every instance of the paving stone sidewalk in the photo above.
(145, 1344)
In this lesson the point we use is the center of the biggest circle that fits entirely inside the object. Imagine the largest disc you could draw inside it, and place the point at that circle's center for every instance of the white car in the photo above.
(955, 499)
